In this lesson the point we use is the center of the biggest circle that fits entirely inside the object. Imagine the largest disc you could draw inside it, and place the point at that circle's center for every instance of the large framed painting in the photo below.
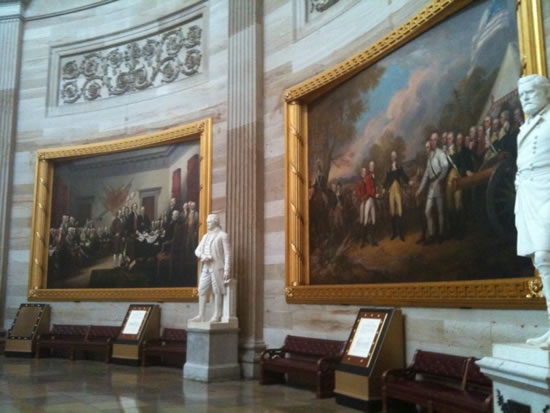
(120, 220)
(401, 163)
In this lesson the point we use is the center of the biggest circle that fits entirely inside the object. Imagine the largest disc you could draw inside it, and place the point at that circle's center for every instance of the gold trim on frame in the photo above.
(45, 165)
(531, 37)
(499, 293)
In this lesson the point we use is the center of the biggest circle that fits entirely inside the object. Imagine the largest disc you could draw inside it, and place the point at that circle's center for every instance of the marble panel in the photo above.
(271, 259)
(278, 15)
(271, 304)
(275, 272)
(272, 289)
(275, 337)
(276, 188)
(519, 332)
(275, 241)
(274, 209)
(218, 204)
(274, 163)
(21, 228)
(275, 145)
(278, 319)
(275, 224)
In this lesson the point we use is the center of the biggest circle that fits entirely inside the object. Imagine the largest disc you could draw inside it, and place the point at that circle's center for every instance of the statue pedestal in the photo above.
(521, 377)
(212, 352)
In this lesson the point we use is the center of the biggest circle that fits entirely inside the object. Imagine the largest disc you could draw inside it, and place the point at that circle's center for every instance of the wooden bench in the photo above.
(312, 358)
(99, 339)
(440, 383)
(172, 343)
(61, 337)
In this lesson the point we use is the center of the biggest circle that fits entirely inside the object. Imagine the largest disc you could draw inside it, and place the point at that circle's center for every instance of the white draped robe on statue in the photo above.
(532, 207)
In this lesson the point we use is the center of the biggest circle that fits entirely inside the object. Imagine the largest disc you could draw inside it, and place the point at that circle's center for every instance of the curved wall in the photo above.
(38, 126)
(297, 44)
(291, 56)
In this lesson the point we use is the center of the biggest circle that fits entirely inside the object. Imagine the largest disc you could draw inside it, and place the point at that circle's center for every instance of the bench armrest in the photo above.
(488, 400)
(272, 353)
(390, 375)
(326, 364)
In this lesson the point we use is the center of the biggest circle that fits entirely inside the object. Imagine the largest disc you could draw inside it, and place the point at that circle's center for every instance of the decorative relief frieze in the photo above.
(169, 56)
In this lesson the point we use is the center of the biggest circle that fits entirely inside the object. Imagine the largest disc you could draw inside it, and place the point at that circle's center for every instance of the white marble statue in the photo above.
(215, 256)
(533, 184)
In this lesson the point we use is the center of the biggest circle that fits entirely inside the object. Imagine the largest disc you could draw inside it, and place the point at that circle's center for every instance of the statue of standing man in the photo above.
(215, 256)
(532, 207)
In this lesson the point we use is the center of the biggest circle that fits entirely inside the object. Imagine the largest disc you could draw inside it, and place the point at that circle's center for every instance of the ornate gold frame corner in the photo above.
(44, 174)
(499, 293)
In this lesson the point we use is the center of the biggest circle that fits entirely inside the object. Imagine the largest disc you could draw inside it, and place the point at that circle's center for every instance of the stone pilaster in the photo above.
(11, 30)
(245, 172)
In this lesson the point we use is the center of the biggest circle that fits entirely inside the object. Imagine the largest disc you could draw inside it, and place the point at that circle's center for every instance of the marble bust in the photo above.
(532, 207)
(214, 254)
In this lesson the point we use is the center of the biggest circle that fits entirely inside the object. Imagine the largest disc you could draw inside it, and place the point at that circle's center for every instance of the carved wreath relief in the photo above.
(165, 57)
(322, 5)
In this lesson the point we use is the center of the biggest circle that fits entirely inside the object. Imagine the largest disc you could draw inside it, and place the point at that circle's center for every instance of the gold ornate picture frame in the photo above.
(196, 135)
(493, 292)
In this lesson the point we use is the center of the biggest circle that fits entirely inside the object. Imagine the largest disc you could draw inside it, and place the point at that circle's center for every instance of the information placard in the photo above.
(136, 319)
(363, 342)
(364, 337)
(375, 344)
(134, 322)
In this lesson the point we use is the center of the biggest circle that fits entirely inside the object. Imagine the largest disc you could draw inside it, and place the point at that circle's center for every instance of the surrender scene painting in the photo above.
(412, 161)
(126, 220)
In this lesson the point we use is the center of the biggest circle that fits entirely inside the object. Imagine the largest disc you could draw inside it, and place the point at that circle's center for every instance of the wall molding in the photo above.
(68, 11)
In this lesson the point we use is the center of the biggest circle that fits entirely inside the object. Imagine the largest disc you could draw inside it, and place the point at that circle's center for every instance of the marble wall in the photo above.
(294, 50)
(291, 57)
(128, 115)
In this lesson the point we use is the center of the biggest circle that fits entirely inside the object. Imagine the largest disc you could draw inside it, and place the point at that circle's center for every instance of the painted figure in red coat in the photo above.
(365, 192)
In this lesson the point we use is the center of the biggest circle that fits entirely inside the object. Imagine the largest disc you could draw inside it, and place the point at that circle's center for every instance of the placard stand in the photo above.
(30, 321)
(142, 322)
(374, 346)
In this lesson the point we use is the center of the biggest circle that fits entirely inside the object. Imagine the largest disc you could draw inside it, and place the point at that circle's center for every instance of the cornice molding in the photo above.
(11, 11)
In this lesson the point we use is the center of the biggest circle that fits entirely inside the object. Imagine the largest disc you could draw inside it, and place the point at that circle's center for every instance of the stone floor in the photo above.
(59, 385)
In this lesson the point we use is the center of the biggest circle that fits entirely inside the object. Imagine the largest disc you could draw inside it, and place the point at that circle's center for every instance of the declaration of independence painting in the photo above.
(126, 220)
(411, 162)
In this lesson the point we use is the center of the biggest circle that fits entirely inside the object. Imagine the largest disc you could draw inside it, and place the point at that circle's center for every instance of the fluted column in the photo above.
(245, 172)
(11, 28)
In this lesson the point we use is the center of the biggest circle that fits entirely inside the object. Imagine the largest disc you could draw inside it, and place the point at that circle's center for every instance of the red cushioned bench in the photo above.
(99, 339)
(172, 343)
(312, 358)
(440, 383)
(61, 337)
